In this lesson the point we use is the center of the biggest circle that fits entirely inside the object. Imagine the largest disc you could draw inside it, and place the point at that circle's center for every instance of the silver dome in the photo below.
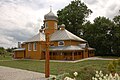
(50, 16)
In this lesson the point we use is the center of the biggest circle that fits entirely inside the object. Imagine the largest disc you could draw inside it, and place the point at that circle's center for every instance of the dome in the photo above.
(50, 16)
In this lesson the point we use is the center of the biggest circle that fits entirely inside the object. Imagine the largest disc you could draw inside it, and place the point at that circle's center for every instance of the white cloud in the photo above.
(16, 22)
(107, 8)
(21, 19)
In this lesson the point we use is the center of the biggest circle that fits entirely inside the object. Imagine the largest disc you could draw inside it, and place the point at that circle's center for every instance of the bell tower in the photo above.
(50, 22)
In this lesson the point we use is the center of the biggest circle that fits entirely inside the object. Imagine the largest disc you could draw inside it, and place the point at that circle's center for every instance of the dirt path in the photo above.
(7, 73)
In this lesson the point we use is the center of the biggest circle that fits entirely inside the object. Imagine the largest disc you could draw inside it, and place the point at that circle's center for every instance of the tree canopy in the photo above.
(103, 34)
(100, 35)
(73, 16)
(116, 35)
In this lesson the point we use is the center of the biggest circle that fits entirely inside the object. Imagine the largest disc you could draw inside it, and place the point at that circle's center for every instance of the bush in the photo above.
(100, 76)
(113, 65)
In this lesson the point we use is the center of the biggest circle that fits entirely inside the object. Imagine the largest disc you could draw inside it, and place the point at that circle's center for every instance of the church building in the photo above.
(63, 44)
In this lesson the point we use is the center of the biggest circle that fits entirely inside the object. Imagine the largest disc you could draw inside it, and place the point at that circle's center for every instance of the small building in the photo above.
(63, 44)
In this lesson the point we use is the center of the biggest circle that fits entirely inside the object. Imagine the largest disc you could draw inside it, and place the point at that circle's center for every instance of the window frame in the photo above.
(46, 25)
(34, 46)
(29, 46)
(55, 25)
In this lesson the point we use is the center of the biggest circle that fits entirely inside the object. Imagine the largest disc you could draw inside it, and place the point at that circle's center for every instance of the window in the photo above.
(55, 25)
(61, 43)
(52, 44)
(29, 47)
(79, 53)
(35, 46)
(61, 53)
(46, 25)
(75, 53)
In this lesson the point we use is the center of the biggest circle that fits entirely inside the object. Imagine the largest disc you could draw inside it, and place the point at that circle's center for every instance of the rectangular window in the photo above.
(35, 46)
(29, 46)
(46, 25)
(55, 25)
(61, 43)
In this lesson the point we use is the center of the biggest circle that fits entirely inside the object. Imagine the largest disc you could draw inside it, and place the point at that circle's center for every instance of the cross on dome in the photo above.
(50, 8)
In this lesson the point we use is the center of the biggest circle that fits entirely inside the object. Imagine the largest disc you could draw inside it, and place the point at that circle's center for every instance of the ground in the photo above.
(86, 67)
(7, 73)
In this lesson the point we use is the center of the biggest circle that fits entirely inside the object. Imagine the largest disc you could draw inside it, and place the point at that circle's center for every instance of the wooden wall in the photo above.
(67, 43)
(35, 54)
(40, 52)
(19, 54)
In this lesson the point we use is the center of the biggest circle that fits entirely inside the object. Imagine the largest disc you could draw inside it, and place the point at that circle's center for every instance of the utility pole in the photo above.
(47, 57)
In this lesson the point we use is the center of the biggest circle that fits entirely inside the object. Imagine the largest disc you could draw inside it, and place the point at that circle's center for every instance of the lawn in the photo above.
(86, 69)
(5, 57)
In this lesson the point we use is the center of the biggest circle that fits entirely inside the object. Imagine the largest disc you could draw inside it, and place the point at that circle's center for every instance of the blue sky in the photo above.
(21, 19)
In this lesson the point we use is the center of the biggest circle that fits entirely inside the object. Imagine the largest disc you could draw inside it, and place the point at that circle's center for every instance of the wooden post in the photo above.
(47, 57)
(73, 56)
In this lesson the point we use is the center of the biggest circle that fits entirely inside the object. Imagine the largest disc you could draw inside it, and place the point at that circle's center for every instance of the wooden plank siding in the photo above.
(19, 54)
(56, 55)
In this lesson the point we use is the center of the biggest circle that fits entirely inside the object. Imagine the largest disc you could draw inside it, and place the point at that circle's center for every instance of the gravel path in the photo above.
(7, 73)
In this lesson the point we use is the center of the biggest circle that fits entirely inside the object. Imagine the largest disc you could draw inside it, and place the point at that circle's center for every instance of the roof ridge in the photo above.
(67, 33)
(73, 36)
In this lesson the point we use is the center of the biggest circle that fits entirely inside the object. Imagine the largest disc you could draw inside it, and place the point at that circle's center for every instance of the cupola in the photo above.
(50, 16)
(50, 22)
(62, 27)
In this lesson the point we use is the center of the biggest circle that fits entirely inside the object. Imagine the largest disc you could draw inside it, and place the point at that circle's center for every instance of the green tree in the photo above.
(2, 51)
(73, 16)
(10, 49)
(116, 35)
(117, 20)
(99, 35)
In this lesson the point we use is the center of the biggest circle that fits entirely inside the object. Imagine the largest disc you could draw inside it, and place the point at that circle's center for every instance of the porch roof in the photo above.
(19, 49)
(91, 48)
(66, 48)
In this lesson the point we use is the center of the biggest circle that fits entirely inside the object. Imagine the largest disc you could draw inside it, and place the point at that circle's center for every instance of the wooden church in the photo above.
(63, 44)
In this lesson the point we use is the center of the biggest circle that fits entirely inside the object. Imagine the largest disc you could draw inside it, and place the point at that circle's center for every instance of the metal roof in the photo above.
(84, 45)
(19, 49)
(64, 35)
(56, 36)
(50, 16)
(91, 48)
(65, 48)
(39, 37)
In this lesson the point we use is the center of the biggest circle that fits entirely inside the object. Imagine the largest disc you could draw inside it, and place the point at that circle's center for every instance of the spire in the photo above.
(50, 8)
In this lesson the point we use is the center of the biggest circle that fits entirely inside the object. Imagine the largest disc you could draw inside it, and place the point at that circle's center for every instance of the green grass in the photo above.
(5, 57)
(111, 57)
(86, 69)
